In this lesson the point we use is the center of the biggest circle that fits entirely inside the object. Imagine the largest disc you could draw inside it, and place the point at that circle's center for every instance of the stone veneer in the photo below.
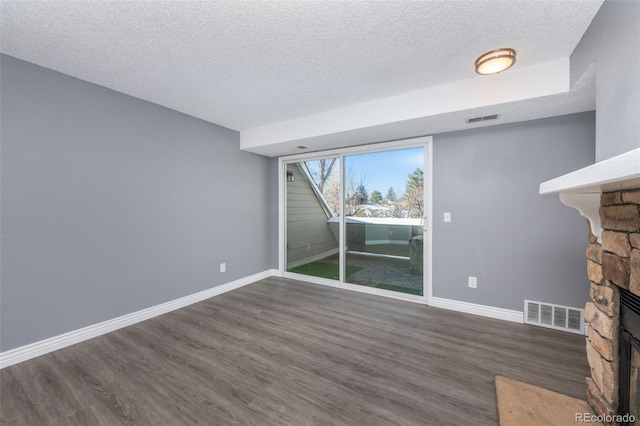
(614, 263)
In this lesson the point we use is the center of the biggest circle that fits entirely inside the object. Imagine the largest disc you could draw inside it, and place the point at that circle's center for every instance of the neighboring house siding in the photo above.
(308, 232)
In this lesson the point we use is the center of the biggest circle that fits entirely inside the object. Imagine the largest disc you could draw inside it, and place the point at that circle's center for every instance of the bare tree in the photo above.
(321, 171)
(332, 193)
(355, 193)
(327, 178)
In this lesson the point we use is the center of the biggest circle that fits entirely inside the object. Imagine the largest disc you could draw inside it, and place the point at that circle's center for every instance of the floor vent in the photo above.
(554, 316)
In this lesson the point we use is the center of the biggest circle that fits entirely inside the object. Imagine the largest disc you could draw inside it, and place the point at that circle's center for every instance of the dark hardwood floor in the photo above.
(290, 353)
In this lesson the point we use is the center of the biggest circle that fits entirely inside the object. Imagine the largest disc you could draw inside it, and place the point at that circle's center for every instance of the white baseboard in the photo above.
(42, 347)
(436, 302)
(482, 310)
(24, 353)
(356, 288)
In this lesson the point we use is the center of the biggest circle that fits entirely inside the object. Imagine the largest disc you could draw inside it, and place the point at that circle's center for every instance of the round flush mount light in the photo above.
(495, 61)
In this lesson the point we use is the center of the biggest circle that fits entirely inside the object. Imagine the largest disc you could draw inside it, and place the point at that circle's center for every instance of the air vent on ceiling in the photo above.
(554, 316)
(482, 118)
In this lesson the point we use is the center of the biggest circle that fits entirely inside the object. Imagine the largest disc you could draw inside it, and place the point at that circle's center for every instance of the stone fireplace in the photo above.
(612, 265)
(608, 195)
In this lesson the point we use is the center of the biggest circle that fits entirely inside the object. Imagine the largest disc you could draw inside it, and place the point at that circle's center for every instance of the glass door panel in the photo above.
(312, 217)
(384, 211)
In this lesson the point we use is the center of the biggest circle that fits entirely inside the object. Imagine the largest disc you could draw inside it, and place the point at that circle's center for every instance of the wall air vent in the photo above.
(482, 118)
(553, 316)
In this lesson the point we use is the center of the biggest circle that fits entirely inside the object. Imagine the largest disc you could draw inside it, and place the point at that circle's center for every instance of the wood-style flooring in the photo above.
(284, 352)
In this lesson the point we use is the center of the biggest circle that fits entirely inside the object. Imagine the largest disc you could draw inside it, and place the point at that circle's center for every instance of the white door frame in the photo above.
(427, 143)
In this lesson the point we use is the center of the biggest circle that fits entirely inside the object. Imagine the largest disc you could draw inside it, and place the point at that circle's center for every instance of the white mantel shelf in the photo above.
(581, 189)
(616, 173)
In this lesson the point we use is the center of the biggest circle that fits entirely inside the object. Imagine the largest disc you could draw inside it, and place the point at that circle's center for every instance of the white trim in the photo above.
(436, 302)
(475, 309)
(42, 347)
(24, 353)
(342, 227)
(582, 188)
(588, 205)
(361, 149)
(613, 174)
(427, 276)
(356, 288)
(282, 208)
(422, 141)
(312, 258)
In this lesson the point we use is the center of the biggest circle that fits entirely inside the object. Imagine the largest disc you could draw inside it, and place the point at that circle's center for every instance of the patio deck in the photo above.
(387, 270)
(381, 269)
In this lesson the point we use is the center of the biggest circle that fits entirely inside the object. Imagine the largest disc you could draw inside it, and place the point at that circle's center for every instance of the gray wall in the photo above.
(613, 42)
(519, 244)
(111, 204)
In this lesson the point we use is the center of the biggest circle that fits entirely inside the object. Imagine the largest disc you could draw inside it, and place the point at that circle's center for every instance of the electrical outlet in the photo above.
(473, 282)
(447, 217)
(223, 267)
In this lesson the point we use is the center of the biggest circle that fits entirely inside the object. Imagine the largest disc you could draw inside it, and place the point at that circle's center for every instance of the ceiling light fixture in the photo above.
(495, 61)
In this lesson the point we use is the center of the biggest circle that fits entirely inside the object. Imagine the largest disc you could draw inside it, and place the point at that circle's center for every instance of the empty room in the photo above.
(320, 212)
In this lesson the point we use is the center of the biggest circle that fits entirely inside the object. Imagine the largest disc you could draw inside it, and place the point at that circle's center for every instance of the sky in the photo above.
(381, 170)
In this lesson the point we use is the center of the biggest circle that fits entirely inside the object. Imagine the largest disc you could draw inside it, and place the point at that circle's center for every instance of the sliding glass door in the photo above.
(384, 211)
(357, 217)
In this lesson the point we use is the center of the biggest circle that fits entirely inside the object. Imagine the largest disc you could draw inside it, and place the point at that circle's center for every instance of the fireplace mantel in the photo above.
(581, 189)
(613, 174)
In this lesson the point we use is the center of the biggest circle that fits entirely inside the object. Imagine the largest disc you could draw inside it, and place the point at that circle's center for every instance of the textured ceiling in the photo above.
(244, 64)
